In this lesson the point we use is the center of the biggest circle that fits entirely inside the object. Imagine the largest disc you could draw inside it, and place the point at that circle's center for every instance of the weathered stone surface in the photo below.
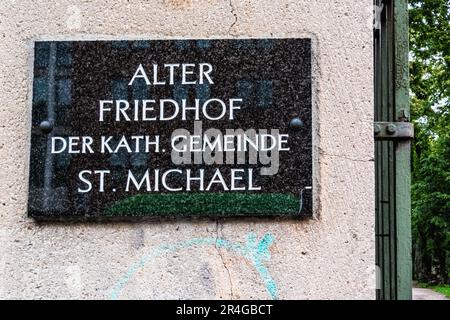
(331, 256)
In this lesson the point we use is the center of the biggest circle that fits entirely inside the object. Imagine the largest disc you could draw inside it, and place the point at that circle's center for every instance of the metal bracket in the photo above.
(393, 131)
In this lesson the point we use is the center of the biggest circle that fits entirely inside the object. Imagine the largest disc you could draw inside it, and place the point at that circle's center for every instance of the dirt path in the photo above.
(427, 294)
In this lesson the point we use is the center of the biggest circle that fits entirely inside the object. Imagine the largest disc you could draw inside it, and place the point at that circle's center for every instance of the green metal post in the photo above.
(402, 153)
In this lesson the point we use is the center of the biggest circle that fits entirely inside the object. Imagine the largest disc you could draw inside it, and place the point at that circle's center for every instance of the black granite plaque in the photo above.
(171, 128)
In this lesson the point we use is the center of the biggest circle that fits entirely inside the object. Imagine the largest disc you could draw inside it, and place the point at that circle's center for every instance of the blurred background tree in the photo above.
(430, 112)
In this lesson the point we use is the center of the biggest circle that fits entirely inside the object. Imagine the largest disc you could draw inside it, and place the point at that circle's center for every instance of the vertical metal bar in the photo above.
(385, 157)
(378, 230)
(390, 182)
(402, 154)
(385, 220)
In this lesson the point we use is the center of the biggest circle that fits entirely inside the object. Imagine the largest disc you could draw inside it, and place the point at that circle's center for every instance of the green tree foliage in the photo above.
(430, 111)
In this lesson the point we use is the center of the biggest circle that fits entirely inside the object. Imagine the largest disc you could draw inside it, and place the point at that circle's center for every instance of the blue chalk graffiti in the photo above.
(255, 252)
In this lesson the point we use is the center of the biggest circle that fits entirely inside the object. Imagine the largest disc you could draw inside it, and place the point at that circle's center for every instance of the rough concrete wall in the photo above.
(331, 256)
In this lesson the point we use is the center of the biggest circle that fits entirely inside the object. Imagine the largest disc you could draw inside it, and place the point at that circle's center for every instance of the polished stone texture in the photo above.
(271, 76)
